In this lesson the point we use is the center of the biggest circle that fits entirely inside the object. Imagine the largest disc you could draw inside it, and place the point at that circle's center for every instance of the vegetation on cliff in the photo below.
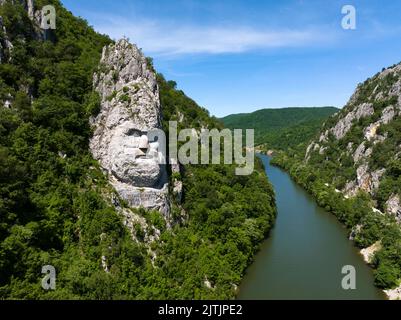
(52, 205)
(353, 168)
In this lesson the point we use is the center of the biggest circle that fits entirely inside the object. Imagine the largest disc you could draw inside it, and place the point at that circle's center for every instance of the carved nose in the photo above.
(144, 142)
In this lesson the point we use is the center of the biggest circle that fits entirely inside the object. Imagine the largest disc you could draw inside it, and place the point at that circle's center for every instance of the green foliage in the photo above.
(176, 105)
(125, 98)
(51, 209)
(281, 129)
(336, 166)
(228, 215)
(92, 104)
(386, 276)
(52, 204)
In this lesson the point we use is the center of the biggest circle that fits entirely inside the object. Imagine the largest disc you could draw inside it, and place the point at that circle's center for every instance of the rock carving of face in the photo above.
(135, 162)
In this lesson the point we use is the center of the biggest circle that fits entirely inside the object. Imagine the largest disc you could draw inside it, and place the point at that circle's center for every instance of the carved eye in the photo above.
(133, 132)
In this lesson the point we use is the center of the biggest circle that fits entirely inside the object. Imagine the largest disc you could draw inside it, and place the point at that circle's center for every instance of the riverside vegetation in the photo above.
(57, 206)
(353, 169)
(54, 207)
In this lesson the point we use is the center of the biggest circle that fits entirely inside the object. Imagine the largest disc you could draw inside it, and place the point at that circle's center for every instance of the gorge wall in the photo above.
(364, 131)
(130, 109)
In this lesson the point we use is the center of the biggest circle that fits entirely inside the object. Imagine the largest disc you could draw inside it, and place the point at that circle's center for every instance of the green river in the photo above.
(305, 252)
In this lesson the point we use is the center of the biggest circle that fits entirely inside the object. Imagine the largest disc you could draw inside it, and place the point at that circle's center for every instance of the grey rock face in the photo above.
(393, 207)
(388, 114)
(350, 147)
(359, 152)
(345, 124)
(177, 184)
(362, 152)
(312, 147)
(130, 108)
(323, 137)
(362, 146)
(124, 72)
(366, 180)
(308, 151)
(30, 8)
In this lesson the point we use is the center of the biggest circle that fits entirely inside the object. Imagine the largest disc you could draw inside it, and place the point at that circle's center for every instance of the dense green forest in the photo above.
(327, 168)
(280, 129)
(52, 209)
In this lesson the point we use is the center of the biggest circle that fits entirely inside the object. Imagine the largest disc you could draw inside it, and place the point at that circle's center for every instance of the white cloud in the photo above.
(174, 39)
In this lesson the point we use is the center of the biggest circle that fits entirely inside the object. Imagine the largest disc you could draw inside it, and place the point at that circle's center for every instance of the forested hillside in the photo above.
(56, 204)
(352, 167)
(281, 129)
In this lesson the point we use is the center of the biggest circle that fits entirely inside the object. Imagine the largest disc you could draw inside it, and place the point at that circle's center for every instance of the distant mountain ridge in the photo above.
(281, 128)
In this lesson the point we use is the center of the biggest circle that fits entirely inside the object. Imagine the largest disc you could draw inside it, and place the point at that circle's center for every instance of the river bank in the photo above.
(368, 255)
(305, 253)
(344, 209)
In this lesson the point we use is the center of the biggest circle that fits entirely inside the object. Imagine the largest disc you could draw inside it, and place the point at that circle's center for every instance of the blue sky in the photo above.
(235, 56)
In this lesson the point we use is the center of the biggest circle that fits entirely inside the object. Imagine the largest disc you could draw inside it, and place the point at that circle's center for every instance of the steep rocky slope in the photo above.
(130, 109)
(353, 169)
(365, 136)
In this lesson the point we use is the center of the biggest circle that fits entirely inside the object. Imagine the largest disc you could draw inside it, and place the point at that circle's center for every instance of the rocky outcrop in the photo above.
(130, 109)
(358, 149)
(361, 152)
(373, 99)
(393, 207)
(177, 183)
(208, 284)
(366, 180)
(345, 123)
(341, 128)
(388, 114)
(369, 252)
(312, 147)
(394, 294)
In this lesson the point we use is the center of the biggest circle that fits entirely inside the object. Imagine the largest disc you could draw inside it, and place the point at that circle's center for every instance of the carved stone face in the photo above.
(133, 162)
(130, 107)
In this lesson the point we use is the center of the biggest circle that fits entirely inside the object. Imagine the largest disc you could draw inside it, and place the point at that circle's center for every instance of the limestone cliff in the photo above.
(130, 108)
(364, 136)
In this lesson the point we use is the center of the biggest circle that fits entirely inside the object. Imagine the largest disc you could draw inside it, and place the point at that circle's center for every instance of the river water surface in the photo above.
(305, 252)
